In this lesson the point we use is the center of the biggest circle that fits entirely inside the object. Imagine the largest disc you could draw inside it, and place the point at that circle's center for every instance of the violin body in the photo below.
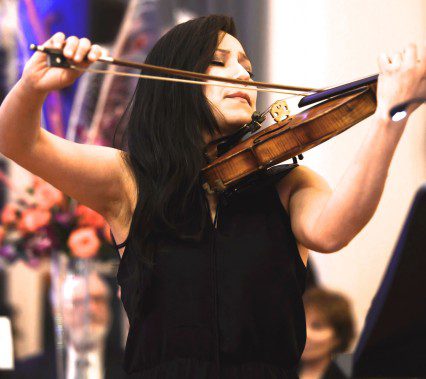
(289, 138)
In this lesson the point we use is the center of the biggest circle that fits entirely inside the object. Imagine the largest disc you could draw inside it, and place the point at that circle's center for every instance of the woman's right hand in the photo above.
(39, 77)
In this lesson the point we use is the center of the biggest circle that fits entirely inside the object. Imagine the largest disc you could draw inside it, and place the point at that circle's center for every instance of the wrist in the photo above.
(386, 125)
(26, 86)
(382, 115)
(28, 91)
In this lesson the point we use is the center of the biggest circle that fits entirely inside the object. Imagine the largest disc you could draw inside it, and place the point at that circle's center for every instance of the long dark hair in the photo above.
(164, 138)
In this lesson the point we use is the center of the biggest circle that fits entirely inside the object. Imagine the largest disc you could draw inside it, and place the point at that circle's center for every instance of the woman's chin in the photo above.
(230, 129)
(232, 124)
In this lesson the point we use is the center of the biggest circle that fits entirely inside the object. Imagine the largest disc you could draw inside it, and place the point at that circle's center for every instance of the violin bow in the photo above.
(57, 59)
(310, 95)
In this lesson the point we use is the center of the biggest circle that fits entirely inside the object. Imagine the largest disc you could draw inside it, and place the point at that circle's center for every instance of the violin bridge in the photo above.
(279, 111)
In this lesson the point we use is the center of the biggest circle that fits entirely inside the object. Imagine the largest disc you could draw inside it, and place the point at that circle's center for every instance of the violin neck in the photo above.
(343, 89)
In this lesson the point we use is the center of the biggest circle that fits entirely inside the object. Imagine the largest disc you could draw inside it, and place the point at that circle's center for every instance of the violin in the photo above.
(288, 137)
(231, 160)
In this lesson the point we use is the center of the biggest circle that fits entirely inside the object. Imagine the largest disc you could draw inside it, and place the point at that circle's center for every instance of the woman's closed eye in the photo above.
(218, 63)
(222, 64)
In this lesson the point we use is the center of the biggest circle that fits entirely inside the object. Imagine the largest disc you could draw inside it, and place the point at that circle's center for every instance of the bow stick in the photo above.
(56, 59)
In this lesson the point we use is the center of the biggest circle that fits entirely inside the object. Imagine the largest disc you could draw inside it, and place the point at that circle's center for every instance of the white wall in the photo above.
(321, 43)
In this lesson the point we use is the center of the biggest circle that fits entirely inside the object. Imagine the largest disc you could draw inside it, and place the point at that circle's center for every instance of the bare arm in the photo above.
(20, 115)
(325, 220)
(93, 175)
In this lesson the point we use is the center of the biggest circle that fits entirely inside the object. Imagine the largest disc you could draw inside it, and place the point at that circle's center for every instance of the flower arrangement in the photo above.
(41, 220)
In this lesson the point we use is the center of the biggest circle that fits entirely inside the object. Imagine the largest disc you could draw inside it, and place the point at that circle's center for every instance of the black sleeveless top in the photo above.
(229, 306)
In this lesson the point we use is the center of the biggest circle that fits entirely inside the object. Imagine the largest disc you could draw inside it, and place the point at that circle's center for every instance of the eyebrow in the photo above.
(241, 54)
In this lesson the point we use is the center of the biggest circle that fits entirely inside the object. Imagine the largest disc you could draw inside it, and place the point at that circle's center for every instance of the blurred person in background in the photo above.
(212, 287)
(86, 326)
(89, 351)
(329, 331)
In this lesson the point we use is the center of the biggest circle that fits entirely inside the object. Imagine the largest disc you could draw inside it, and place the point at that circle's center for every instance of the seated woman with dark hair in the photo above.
(329, 330)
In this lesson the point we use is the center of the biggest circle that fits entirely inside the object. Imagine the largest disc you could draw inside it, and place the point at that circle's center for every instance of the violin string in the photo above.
(188, 81)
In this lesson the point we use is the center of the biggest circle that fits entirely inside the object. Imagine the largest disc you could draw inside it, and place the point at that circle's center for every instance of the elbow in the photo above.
(325, 240)
(330, 245)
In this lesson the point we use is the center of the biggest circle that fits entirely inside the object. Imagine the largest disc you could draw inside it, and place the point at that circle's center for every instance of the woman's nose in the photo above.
(239, 72)
(244, 74)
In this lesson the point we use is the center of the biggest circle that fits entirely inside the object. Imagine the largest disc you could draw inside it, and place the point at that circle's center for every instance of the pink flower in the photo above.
(46, 196)
(84, 242)
(33, 219)
(88, 217)
(8, 215)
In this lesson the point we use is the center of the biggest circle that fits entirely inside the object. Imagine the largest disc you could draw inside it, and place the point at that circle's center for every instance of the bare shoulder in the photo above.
(299, 178)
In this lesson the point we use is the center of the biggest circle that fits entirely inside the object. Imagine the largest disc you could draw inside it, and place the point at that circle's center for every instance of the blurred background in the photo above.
(316, 43)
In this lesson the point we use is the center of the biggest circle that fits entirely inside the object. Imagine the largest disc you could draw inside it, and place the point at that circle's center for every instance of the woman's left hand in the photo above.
(402, 77)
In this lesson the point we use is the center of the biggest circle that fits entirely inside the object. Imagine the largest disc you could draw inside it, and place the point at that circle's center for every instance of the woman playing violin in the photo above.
(212, 285)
